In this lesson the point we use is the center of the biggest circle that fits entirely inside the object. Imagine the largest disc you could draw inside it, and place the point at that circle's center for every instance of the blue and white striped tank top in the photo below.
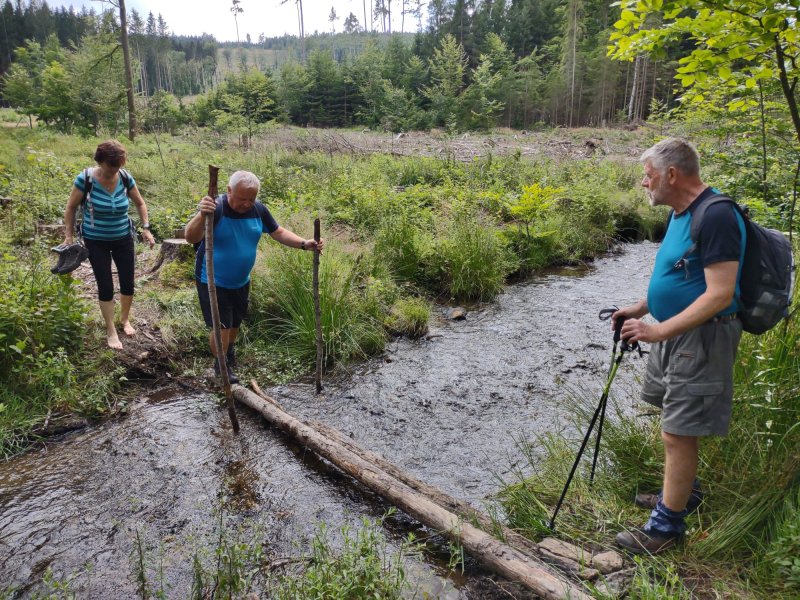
(105, 216)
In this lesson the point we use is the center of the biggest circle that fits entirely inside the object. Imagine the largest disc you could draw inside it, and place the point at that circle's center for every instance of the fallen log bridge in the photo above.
(425, 503)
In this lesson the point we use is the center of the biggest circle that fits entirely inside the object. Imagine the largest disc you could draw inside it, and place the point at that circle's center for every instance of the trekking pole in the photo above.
(600, 411)
(213, 173)
(317, 310)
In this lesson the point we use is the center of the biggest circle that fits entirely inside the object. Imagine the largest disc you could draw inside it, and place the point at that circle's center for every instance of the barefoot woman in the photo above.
(108, 231)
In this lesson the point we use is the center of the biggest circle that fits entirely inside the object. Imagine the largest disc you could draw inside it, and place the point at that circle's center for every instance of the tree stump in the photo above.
(53, 231)
(171, 249)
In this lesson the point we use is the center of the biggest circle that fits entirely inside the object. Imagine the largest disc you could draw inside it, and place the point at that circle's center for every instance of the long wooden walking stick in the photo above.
(213, 172)
(317, 310)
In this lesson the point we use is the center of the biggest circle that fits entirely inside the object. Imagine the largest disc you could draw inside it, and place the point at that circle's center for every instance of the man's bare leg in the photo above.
(228, 338)
(680, 469)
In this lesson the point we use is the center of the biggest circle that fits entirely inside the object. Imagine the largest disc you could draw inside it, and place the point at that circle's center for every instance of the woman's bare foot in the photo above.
(128, 328)
(113, 341)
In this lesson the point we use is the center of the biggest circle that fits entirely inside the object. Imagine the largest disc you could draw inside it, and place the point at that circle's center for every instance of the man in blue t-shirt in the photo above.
(694, 341)
(239, 222)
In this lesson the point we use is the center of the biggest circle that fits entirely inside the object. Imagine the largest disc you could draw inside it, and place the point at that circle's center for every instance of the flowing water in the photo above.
(449, 409)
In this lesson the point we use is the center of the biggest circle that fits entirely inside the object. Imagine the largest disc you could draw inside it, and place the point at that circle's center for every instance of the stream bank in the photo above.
(447, 409)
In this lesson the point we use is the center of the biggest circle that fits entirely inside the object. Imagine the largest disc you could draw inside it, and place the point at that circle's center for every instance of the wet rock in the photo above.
(457, 314)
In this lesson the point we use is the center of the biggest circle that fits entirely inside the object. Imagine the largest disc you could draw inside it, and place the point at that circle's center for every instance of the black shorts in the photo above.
(232, 304)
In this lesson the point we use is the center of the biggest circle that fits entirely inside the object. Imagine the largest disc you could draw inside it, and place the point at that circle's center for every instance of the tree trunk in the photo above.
(499, 557)
(126, 54)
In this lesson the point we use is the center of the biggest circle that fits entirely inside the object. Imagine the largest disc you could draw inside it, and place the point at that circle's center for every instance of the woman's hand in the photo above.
(148, 237)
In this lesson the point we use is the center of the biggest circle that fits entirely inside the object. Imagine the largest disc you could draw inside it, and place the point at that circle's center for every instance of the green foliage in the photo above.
(409, 316)
(737, 46)
(470, 261)
(362, 568)
(38, 311)
(404, 245)
(783, 553)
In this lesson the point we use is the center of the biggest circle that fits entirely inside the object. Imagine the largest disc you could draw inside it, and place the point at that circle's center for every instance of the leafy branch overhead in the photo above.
(738, 45)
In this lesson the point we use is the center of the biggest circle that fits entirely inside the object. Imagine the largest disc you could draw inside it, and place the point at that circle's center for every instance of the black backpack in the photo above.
(767, 277)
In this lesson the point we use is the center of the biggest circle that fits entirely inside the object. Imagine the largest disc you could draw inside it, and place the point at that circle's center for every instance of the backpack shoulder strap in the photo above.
(698, 216)
(126, 179)
(88, 183)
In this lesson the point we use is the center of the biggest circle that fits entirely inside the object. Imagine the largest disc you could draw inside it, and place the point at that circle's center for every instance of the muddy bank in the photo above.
(446, 409)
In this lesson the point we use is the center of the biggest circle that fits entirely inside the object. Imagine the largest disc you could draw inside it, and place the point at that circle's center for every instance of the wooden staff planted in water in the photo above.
(317, 310)
(213, 173)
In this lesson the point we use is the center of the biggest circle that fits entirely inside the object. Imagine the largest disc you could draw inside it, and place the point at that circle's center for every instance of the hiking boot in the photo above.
(232, 378)
(649, 501)
(640, 541)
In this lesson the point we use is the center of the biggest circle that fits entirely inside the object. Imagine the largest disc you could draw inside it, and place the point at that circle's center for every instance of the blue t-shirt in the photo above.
(236, 237)
(722, 238)
(105, 215)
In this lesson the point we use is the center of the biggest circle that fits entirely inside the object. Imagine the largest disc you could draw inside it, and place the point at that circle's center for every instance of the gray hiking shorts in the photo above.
(690, 377)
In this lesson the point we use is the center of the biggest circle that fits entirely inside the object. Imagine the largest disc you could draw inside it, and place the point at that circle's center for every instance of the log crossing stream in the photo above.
(448, 409)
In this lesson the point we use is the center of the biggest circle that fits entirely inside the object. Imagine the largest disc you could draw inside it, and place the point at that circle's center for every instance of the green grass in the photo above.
(409, 316)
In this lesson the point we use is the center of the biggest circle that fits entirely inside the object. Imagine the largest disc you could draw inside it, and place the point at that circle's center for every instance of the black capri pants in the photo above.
(101, 253)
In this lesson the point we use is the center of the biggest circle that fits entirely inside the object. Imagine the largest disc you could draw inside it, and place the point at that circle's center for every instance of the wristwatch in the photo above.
(145, 225)
(303, 245)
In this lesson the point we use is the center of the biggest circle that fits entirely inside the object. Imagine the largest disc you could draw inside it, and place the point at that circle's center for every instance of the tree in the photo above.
(447, 66)
(236, 9)
(737, 45)
(332, 18)
(351, 24)
(126, 54)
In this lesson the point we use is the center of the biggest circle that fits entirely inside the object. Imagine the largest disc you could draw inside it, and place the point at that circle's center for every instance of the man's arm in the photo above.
(288, 238)
(720, 288)
(195, 229)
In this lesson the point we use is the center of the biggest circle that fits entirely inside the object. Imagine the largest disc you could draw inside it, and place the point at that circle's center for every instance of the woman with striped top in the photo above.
(107, 230)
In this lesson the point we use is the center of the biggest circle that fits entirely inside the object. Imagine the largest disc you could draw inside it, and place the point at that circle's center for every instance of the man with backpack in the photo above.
(694, 296)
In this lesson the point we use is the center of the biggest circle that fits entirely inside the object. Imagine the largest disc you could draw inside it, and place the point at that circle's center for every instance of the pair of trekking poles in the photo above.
(600, 412)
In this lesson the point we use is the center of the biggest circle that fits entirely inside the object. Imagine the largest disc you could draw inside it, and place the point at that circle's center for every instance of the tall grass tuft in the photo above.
(470, 261)
(282, 305)
(409, 316)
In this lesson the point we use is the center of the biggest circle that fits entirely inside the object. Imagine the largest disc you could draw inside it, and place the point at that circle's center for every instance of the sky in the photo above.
(193, 17)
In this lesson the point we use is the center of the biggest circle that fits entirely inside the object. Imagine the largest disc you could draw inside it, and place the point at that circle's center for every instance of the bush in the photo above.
(38, 311)
(361, 569)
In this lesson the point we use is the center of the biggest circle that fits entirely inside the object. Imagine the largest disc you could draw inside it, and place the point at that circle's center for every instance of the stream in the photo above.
(449, 409)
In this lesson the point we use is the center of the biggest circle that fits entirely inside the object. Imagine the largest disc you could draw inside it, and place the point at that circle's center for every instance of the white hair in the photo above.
(244, 179)
(673, 152)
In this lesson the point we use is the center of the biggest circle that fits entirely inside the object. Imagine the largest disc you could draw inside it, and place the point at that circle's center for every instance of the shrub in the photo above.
(362, 568)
